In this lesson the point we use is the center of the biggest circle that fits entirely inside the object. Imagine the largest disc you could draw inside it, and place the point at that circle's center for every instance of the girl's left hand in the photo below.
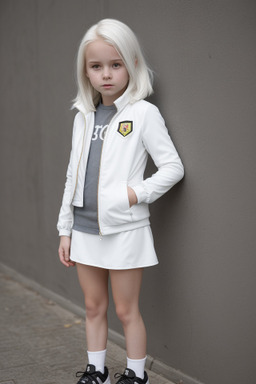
(132, 196)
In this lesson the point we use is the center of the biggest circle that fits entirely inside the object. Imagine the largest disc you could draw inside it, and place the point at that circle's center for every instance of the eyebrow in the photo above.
(98, 61)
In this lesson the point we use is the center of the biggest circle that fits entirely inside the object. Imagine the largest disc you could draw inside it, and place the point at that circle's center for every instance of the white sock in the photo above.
(98, 359)
(137, 365)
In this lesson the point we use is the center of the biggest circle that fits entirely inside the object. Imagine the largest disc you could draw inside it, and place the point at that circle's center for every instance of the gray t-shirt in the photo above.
(86, 217)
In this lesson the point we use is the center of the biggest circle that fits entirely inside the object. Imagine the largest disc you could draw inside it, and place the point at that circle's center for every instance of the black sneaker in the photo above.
(91, 376)
(129, 377)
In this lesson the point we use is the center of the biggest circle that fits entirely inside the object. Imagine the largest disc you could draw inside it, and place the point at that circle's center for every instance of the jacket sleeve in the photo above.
(65, 220)
(159, 145)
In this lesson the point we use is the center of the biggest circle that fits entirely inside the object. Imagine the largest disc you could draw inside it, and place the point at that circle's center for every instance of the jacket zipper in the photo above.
(100, 233)
(79, 158)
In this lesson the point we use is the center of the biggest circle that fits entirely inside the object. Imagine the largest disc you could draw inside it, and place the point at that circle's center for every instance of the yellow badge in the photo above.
(125, 127)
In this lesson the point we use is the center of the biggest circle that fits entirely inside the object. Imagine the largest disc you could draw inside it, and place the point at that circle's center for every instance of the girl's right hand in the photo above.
(64, 251)
(132, 196)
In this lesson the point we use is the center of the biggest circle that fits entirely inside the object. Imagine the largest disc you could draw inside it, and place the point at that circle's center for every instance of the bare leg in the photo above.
(94, 284)
(126, 289)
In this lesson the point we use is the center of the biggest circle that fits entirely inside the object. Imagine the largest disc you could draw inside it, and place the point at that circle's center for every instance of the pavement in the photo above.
(41, 342)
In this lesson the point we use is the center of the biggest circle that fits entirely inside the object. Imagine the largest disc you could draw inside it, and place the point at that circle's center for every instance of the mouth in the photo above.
(107, 86)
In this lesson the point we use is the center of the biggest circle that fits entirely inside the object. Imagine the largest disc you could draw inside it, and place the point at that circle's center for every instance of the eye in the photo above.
(116, 65)
(95, 66)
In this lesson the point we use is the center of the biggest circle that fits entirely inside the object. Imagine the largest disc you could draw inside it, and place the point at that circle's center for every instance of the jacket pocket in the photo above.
(115, 207)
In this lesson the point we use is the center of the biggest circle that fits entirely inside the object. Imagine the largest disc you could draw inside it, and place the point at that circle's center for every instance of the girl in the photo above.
(105, 204)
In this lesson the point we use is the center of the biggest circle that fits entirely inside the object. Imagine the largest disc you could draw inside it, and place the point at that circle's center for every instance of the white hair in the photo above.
(122, 38)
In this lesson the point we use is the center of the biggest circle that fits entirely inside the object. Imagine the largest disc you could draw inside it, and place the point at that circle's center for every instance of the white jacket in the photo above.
(123, 161)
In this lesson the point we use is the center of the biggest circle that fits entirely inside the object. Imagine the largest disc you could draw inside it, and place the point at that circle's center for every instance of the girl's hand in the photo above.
(132, 196)
(64, 251)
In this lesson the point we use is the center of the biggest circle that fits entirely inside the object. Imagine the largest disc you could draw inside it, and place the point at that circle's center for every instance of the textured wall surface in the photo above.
(199, 303)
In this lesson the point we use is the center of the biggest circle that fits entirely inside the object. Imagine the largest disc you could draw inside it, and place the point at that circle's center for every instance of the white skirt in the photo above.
(124, 250)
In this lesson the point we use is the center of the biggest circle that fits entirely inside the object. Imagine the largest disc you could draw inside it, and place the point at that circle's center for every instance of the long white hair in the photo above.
(122, 38)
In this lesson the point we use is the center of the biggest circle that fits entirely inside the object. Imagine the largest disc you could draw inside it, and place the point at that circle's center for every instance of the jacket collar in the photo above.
(120, 103)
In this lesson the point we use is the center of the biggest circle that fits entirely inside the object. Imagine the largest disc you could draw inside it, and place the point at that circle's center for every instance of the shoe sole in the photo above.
(109, 382)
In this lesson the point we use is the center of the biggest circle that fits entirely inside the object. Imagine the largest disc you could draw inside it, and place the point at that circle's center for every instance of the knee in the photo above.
(95, 308)
(125, 314)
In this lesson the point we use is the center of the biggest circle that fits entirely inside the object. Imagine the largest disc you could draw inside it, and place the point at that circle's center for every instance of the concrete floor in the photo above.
(43, 343)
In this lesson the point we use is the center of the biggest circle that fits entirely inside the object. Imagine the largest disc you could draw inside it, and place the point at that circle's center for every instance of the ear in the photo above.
(84, 64)
(136, 62)
(85, 71)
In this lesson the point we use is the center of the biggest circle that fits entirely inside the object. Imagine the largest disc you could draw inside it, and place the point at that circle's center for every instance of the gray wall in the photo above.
(199, 303)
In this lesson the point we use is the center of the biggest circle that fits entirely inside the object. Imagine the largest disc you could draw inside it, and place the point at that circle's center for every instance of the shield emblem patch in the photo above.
(125, 127)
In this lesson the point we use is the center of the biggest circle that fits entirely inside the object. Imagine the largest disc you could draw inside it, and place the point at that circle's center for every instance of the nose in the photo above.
(106, 73)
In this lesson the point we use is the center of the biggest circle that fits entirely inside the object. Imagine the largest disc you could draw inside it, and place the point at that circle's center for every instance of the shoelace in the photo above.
(86, 375)
(80, 374)
(124, 378)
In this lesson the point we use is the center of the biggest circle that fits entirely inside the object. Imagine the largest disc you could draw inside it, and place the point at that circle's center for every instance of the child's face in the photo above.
(106, 71)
